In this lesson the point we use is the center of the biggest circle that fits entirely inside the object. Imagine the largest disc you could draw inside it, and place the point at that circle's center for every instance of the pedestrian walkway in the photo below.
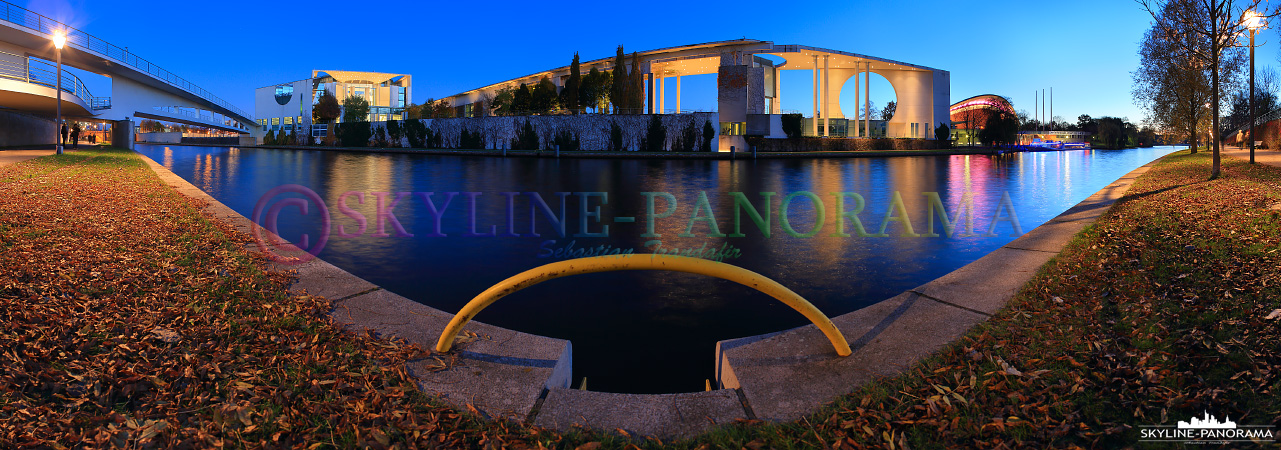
(1269, 157)
(8, 157)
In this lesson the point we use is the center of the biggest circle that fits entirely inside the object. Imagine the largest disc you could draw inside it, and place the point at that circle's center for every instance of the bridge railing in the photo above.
(24, 17)
(45, 73)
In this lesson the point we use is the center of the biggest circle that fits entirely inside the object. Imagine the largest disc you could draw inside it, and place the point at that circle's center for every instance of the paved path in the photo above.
(8, 157)
(1269, 157)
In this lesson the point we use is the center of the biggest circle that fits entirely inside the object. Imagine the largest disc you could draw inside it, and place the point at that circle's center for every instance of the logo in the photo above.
(280, 251)
(1208, 430)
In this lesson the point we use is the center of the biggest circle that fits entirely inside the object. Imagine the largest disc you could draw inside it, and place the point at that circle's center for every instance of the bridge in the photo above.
(138, 88)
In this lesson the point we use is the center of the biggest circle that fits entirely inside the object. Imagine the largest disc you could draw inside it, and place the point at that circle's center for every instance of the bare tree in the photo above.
(1205, 30)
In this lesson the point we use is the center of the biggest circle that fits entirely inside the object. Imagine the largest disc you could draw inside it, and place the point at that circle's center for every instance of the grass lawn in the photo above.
(129, 319)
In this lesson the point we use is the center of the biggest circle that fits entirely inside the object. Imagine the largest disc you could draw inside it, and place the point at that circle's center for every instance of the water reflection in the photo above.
(622, 323)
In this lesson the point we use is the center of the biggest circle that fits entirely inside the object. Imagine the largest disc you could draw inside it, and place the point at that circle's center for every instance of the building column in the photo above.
(858, 95)
(678, 94)
(649, 85)
(662, 94)
(778, 93)
(827, 81)
(867, 97)
(814, 125)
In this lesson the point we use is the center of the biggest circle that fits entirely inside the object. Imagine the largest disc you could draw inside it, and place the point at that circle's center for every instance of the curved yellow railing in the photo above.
(642, 262)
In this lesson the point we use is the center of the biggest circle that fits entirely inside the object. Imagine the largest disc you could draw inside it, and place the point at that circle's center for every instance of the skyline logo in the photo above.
(1208, 430)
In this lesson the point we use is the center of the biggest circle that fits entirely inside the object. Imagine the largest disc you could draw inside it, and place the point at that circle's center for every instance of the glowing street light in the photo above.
(59, 40)
(1254, 22)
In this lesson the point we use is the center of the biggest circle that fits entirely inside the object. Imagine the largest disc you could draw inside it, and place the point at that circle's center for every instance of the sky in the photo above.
(1084, 49)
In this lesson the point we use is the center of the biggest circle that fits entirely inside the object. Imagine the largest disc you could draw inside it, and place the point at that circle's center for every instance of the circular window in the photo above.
(284, 94)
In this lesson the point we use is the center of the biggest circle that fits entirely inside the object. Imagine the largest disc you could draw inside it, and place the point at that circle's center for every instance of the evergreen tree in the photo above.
(521, 100)
(573, 86)
(544, 96)
(638, 86)
(708, 134)
(656, 135)
(618, 88)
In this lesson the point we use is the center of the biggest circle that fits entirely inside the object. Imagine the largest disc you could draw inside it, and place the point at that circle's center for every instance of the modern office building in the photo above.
(287, 106)
(749, 88)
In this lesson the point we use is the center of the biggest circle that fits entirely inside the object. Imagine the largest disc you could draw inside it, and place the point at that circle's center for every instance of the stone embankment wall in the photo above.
(592, 129)
(19, 129)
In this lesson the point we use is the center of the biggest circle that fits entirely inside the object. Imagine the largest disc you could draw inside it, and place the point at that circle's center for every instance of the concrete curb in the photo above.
(786, 376)
(500, 373)
(779, 376)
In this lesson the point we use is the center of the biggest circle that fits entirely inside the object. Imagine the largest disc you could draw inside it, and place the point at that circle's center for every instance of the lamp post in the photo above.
(59, 40)
(1253, 21)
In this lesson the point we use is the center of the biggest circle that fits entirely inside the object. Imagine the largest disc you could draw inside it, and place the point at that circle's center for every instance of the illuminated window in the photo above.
(733, 128)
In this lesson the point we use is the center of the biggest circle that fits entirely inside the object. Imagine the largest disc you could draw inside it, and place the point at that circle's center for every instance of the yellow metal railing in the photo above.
(642, 262)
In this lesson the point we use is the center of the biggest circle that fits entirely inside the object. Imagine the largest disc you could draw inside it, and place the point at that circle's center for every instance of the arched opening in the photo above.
(882, 99)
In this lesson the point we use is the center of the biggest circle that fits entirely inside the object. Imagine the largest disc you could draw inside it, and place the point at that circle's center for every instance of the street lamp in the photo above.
(59, 40)
(1253, 21)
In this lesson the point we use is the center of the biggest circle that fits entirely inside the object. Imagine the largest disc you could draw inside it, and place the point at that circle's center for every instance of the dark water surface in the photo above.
(644, 331)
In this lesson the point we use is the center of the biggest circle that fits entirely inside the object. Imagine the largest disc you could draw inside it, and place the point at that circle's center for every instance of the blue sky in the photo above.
(1084, 49)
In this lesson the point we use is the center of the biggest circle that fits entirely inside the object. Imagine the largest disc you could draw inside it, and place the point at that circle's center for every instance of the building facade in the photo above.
(287, 107)
(969, 116)
(749, 89)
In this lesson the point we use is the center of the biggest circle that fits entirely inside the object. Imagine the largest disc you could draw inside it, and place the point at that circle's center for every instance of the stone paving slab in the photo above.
(663, 416)
(8, 157)
(987, 284)
(787, 376)
(1049, 237)
(501, 373)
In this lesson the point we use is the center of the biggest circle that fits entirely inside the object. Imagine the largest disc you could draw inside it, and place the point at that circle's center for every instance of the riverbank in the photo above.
(97, 345)
(738, 155)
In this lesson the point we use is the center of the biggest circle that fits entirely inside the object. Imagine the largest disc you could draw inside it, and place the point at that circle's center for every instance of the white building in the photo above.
(287, 106)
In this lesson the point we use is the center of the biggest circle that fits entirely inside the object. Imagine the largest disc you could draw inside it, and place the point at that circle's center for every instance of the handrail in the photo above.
(642, 262)
(44, 73)
(23, 17)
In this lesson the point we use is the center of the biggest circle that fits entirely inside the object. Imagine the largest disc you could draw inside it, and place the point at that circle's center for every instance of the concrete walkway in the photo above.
(8, 157)
(1269, 157)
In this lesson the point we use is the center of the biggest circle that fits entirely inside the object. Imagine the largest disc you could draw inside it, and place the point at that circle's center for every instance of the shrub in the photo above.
(394, 133)
(615, 137)
(655, 136)
(567, 140)
(526, 138)
(708, 134)
(470, 140)
(354, 134)
(416, 133)
(793, 124)
(687, 140)
(380, 137)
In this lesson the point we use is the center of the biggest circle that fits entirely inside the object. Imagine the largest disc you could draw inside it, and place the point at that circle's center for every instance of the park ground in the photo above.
(130, 319)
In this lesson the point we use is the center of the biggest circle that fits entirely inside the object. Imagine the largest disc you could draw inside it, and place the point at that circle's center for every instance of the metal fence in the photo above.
(23, 17)
(45, 73)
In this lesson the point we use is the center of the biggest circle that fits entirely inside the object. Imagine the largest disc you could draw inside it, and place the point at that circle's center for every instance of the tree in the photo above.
(522, 100)
(1001, 128)
(942, 132)
(544, 99)
(502, 101)
(709, 133)
(573, 86)
(326, 108)
(888, 112)
(1207, 31)
(637, 88)
(793, 124)
(394, 133)
(655, 136)
(1085, 123)
(355, 109)
(618, 85)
